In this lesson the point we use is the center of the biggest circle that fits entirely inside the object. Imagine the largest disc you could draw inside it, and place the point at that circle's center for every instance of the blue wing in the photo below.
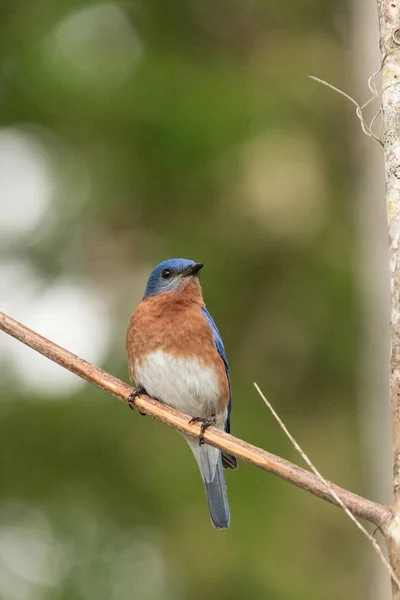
(220, 347)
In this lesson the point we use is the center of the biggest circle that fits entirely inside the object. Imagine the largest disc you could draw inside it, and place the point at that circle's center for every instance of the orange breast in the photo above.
(174, 322)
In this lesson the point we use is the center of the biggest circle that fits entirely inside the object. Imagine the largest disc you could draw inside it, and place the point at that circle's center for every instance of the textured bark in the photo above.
(389, 23)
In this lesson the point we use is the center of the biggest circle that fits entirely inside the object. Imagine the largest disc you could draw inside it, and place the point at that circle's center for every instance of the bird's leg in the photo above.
(205, 422)
(131, 399)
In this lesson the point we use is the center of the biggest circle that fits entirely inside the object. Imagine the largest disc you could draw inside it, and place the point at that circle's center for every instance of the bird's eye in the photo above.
(166, 274)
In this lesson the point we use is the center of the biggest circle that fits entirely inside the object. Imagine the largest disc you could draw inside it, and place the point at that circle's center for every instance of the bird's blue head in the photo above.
(168, 275)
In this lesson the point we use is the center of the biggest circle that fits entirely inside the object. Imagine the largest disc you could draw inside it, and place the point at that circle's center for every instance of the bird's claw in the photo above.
(132, 397)
(205, 423)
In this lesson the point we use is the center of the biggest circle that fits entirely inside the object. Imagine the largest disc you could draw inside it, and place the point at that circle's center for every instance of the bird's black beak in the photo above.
(192, 269)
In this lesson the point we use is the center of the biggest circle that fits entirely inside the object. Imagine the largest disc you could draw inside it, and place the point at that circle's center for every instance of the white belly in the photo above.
(184, 384)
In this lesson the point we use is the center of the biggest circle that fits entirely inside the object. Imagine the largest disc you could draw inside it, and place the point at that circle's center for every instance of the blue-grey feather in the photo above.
(220, 347)
(212, 474)
(217, 498)
(156, 284)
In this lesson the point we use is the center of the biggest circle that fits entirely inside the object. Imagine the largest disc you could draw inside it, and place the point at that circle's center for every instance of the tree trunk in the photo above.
(389, 23)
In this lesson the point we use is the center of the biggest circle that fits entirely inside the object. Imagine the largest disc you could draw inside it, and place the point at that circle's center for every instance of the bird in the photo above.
(176, 355)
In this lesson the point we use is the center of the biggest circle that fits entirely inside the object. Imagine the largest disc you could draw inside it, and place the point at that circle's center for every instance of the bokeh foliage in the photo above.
(189, 128)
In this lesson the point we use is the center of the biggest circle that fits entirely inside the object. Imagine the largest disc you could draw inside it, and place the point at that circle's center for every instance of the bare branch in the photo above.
(361, 507)
(330, 488)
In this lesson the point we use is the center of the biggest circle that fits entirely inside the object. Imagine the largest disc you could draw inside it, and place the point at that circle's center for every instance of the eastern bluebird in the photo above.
(176, 355)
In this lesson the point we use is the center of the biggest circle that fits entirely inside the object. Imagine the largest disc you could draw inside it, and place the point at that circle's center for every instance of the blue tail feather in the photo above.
(212, 473)
(217, 498)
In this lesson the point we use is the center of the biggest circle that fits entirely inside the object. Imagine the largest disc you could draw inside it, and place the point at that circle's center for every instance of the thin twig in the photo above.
(376, 95)
(366, 509)
(329, 487)
(366, 129)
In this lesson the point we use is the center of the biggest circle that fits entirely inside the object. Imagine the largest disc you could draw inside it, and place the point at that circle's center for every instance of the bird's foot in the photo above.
(205, 422)
(133, 396)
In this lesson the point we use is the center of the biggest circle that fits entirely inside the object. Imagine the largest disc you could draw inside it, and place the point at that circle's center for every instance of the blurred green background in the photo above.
(130, 133)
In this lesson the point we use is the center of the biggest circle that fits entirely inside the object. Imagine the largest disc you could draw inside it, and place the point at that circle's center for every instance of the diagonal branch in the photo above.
(339, 502)
(376, 513)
